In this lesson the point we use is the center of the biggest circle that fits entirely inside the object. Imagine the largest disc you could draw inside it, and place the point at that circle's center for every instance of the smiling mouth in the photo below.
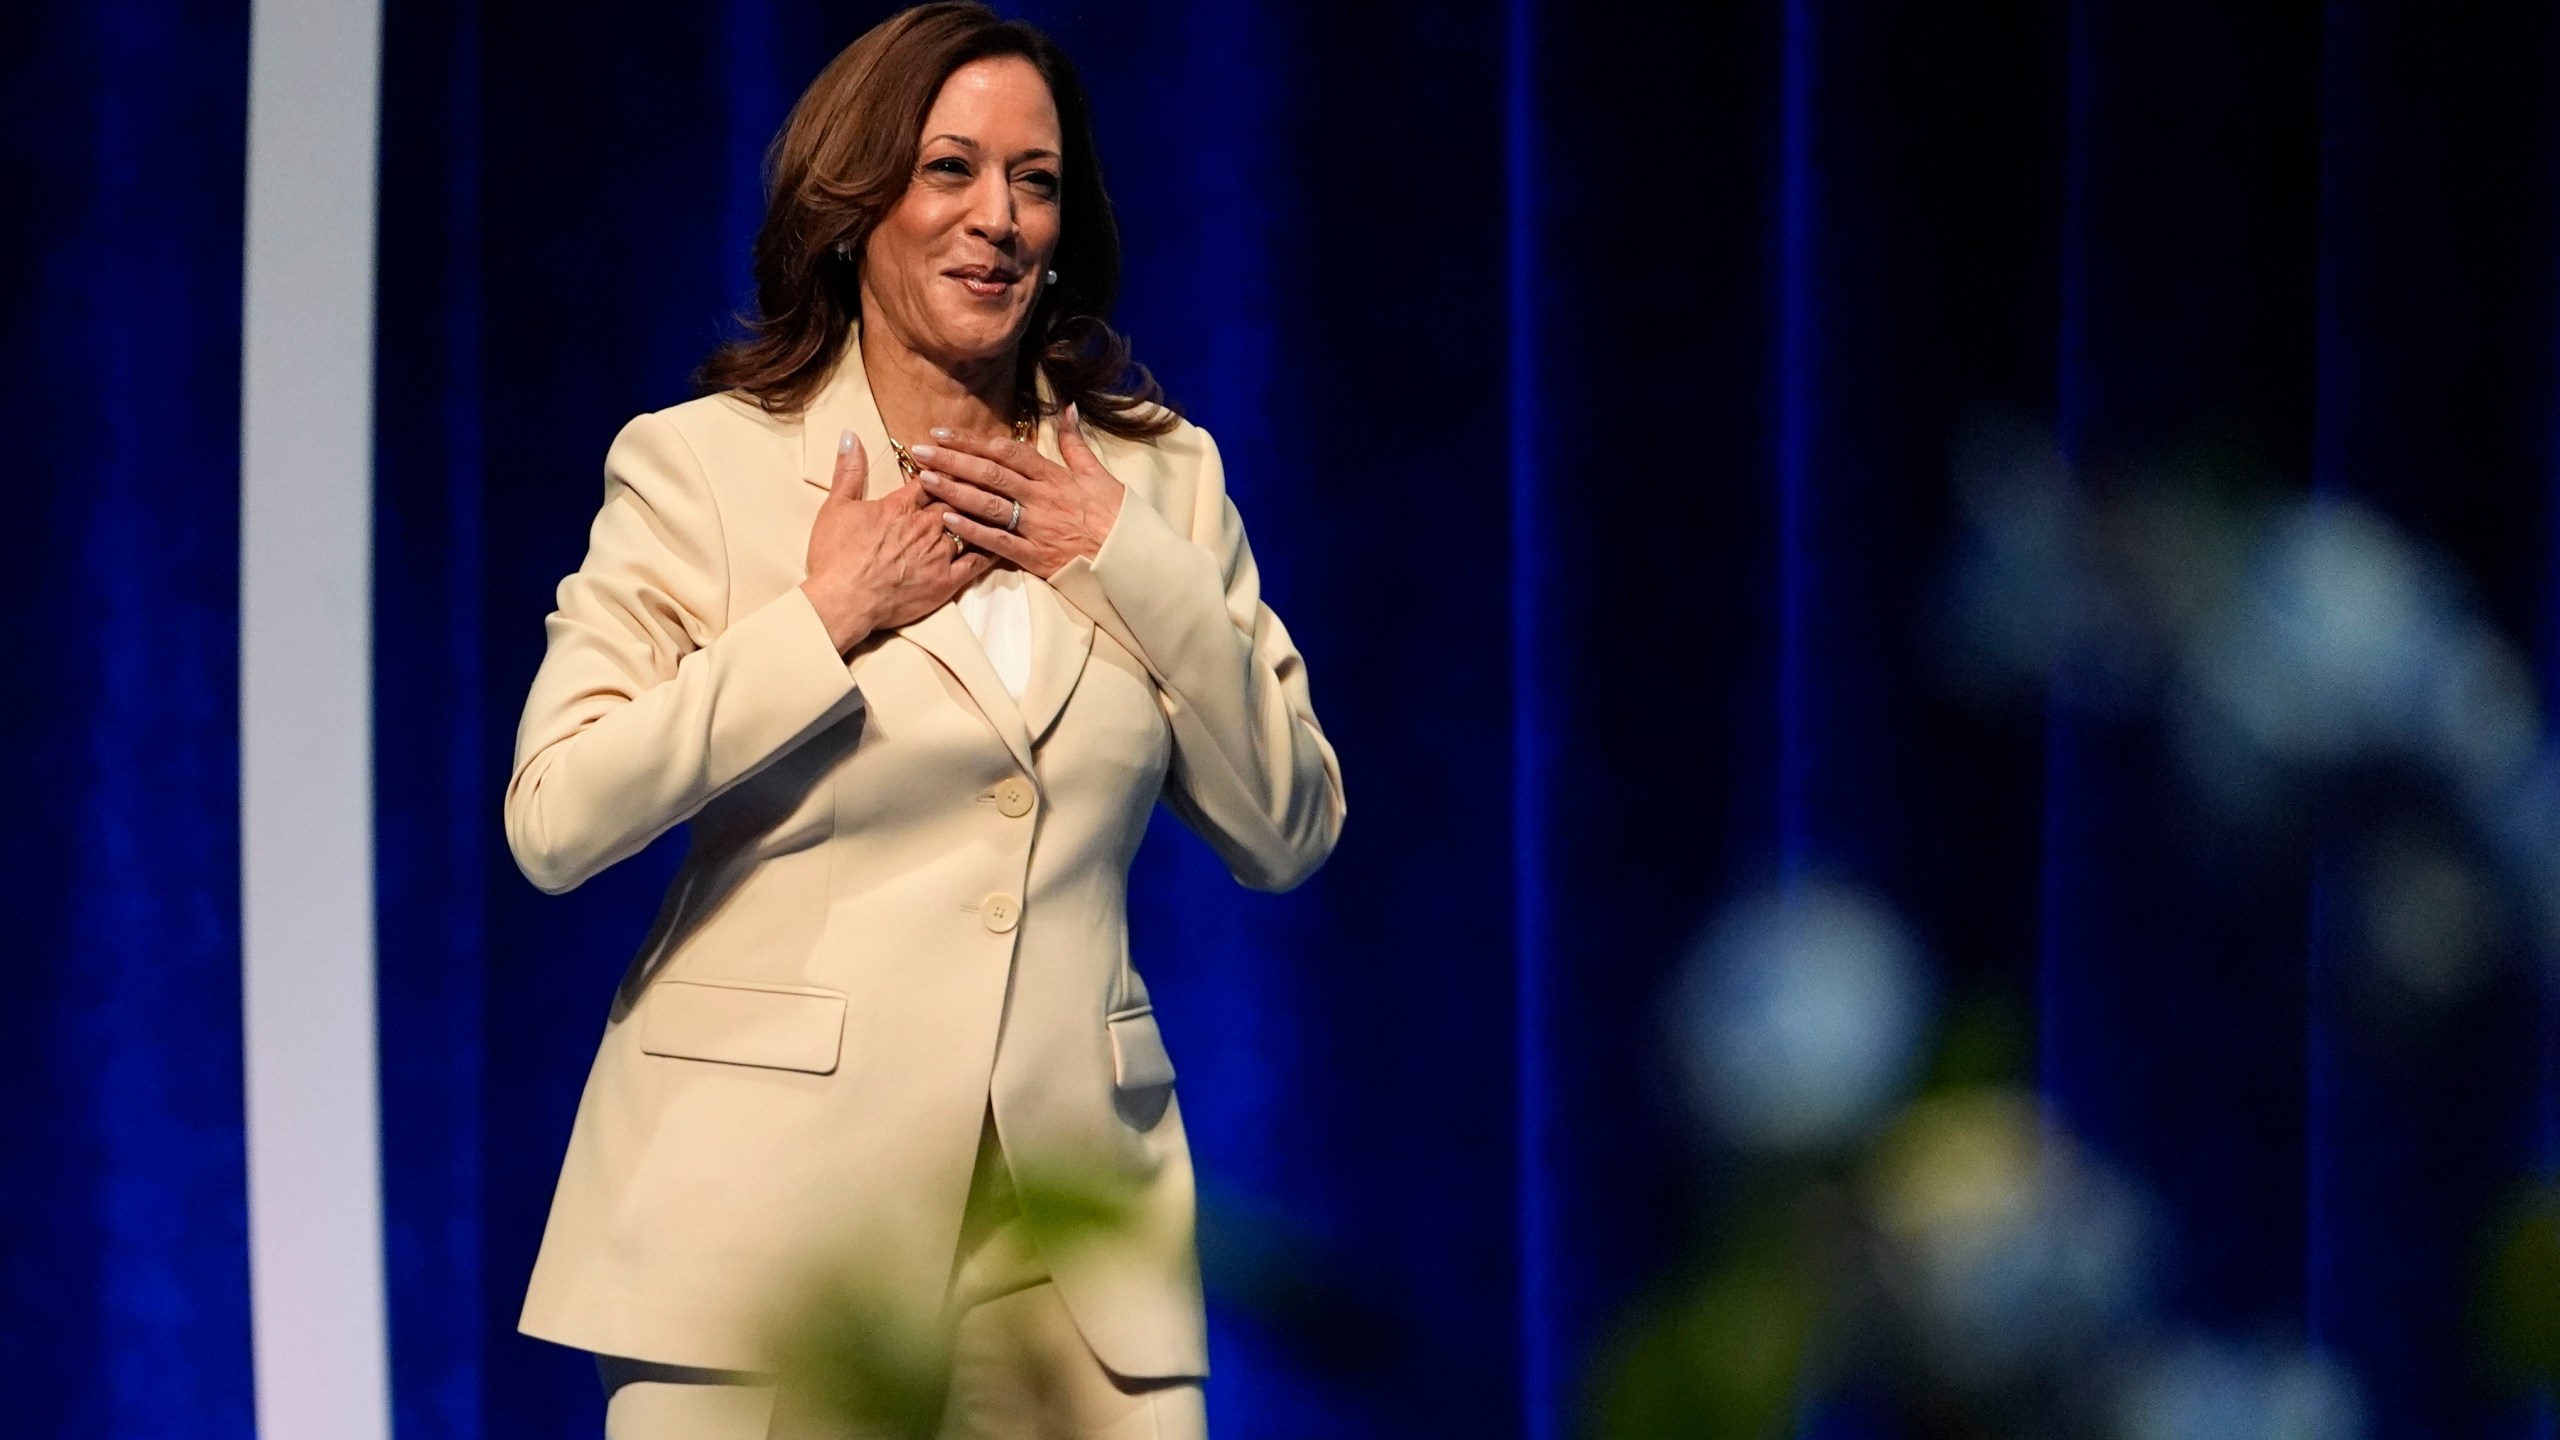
(984, 282)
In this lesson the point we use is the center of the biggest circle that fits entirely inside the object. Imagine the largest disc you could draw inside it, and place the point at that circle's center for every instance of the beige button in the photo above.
(1001, 912)
(1013, 797)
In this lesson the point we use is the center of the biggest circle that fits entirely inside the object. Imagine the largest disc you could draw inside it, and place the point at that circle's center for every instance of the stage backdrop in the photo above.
(1590, 380)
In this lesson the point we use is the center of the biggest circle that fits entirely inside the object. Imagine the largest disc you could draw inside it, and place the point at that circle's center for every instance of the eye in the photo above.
(1044, 181)
(948, 165)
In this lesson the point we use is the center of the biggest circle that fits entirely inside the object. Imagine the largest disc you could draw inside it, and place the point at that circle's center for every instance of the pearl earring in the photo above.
(843, 251)
(1053, 277)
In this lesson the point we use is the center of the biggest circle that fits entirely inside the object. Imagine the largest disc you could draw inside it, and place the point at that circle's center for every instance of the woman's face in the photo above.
(953, 267)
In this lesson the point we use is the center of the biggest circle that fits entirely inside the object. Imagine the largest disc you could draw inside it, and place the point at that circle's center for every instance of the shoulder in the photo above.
(1185, 446)
(723, 423)
(703, 442)
(1179, 472)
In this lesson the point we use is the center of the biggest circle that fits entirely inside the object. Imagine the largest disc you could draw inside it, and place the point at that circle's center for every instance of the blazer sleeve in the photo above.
(1252, 771)
(648, 703)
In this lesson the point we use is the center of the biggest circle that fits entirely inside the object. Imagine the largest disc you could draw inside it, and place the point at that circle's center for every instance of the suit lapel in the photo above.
(947, 638)
(846, 404)
(1061, 641)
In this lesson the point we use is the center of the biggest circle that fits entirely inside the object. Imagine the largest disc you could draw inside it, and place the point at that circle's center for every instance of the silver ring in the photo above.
(1017, 516)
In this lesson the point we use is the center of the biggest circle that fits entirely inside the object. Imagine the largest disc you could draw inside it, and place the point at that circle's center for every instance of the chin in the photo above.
(976, 337)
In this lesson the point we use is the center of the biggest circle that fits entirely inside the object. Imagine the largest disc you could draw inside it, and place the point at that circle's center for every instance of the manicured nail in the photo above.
(844, 443)
(950, 519)
(923, 452)
(940, 434)
(931, 478)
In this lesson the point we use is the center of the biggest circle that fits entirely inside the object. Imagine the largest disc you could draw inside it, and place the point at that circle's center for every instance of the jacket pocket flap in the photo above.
(1138, 1061)
(774, 1026)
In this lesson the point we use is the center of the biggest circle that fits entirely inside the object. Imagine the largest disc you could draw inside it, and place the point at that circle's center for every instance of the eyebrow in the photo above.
(967, 143)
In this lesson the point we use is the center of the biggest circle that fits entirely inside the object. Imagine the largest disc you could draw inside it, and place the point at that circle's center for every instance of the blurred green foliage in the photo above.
(1719, 1358)
(846, 1356)
(1984, 1040)
(849, 1359)
(2522, 1296)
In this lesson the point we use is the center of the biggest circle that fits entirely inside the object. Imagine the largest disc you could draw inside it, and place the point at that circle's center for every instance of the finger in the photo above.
(1071, 443)
(932, 550)
(978, 470)
(853, 468)
(987, 537)
(1004, 452)
(968, 499)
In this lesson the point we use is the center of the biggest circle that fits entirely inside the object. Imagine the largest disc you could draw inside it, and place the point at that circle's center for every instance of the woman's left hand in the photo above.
(1064, 510)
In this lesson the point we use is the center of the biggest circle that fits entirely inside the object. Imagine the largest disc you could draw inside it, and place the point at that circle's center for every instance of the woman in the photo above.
(914, 619)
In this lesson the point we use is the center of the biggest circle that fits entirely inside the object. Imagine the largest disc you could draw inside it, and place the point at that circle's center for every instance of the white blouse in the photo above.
(998, 610)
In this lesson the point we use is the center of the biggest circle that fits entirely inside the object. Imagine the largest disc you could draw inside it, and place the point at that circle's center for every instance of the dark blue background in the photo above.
(1589, 379)
(124, 1266)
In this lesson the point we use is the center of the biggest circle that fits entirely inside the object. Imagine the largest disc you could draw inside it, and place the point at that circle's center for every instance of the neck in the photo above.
(916, 393)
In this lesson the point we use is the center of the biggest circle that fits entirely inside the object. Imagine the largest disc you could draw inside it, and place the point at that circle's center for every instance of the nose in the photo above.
(991, 215)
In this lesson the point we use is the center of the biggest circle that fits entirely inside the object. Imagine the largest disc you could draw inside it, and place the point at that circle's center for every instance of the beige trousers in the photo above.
(1019, 1368)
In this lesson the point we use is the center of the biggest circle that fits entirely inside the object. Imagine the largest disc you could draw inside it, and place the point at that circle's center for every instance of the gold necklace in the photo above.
(907, 464)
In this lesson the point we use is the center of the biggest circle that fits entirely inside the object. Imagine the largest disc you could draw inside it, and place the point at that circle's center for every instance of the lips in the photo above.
(985, 281)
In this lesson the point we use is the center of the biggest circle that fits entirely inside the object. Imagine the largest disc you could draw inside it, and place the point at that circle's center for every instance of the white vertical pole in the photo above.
(306, 781)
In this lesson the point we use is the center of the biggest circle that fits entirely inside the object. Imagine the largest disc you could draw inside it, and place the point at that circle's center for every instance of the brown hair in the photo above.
(844, 159)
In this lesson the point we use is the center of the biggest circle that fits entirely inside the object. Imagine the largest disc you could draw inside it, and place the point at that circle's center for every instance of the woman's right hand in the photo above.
(878, 563)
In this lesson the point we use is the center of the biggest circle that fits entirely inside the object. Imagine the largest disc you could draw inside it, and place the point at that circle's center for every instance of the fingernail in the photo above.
(844, 443)
(939, 434)
(923, 452)
(930, 477)
(950, 519)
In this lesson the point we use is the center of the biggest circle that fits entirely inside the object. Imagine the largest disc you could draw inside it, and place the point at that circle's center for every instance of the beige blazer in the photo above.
(905, 895)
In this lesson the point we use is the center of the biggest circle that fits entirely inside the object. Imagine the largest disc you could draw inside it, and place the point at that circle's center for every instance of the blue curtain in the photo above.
(1592, 382)
(124, 1294)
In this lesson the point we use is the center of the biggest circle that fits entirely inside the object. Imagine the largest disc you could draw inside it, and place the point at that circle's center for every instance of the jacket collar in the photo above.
(845, 404)
(1061, 637)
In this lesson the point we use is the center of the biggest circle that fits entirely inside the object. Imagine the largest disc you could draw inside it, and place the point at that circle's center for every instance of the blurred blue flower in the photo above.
(2429, 917)
(2012, 1255)
(1800, 1017)
(2522, 823)
(2482, 722)
(2205, 1390)
(2021, 589)
(2332, 643)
